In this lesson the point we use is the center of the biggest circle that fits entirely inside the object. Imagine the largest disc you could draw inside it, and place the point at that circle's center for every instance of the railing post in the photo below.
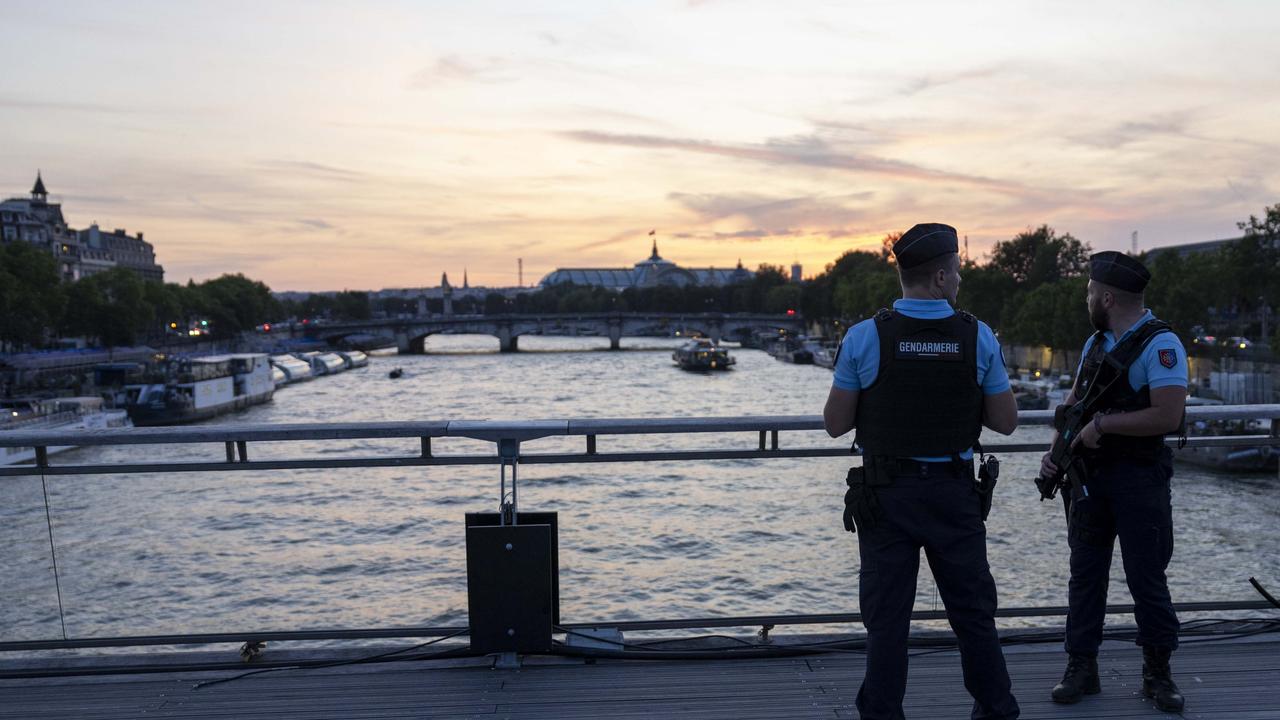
(509, 451)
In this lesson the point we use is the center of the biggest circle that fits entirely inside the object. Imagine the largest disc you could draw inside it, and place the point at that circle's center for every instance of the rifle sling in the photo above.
(1119, 360)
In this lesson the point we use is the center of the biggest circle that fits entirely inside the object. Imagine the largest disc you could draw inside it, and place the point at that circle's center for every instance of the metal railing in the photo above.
(508, 436)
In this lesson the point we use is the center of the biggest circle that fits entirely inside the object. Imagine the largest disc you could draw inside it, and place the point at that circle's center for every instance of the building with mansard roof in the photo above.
(651, 272)
(78, 253)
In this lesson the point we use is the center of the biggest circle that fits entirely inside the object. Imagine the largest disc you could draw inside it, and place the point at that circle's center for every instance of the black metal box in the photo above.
(513, 586)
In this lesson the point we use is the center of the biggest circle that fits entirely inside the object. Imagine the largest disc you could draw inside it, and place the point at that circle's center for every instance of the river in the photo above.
(214, 552)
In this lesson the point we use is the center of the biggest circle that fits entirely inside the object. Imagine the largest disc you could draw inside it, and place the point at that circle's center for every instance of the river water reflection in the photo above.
(153, 554)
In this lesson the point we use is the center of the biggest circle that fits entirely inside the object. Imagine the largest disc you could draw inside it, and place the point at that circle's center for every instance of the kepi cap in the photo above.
(1119, 271)
(923, 243)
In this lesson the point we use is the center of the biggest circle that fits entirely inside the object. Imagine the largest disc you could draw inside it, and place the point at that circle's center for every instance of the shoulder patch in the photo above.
(1168, 357)
(966, 316)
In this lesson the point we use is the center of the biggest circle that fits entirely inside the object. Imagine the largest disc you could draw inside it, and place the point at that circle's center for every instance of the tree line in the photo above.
(1030, 288)
(117, 307)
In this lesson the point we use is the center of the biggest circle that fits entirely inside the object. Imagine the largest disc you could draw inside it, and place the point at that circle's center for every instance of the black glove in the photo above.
(861, 507)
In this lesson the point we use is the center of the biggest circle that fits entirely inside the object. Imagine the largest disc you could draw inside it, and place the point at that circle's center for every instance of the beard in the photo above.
(1098, 317)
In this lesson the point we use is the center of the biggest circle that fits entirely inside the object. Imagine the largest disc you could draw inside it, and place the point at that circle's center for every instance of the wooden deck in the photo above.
(1227, 680)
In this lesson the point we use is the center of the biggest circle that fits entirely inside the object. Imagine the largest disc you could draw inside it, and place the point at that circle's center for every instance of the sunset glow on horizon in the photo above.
(323, 146)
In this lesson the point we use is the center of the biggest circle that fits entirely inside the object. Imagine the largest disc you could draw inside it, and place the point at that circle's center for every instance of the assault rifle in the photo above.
(1069, 421)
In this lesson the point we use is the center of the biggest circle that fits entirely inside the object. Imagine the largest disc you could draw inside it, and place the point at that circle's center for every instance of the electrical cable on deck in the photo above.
(1263, 592)
(372, 658)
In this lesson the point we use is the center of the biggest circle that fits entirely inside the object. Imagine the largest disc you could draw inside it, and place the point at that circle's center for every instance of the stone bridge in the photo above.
(411, 333)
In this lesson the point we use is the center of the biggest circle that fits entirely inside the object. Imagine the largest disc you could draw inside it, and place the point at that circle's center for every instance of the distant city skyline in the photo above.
(322, 146)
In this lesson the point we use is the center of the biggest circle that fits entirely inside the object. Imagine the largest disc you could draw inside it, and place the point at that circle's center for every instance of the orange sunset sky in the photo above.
(323, 145)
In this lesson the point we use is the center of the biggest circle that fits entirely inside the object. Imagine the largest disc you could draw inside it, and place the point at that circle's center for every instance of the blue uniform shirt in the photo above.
(859, 361)
(1163, 363)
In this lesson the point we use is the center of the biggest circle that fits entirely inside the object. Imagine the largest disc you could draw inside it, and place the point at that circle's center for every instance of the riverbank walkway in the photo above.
(1235, 679)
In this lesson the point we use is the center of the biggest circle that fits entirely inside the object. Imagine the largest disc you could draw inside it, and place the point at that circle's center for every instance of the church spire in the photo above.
(464, 279)
(38, 192)
(654, 256)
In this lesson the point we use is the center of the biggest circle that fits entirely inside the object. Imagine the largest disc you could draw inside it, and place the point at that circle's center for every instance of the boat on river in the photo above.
(703, 354)
(200, 388)
(1037, 391)
(792, 349)
(69, 413)
(295, 370)
(353, 359)
(824, 352)
(1229, 458)
(323, 363)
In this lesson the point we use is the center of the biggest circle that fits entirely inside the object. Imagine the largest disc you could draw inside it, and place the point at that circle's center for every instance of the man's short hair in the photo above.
(921, 274)
(1125, 298)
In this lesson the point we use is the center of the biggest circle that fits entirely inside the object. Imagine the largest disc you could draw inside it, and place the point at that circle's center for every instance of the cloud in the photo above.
(17, 104)
(805, 150)
(749, 235)
(762, 211)
(925, 83)
(628, 235)
(76, 199)
(455, 68)
(315, 223)
(1176, 125)
(311, 169)
(1118, 136)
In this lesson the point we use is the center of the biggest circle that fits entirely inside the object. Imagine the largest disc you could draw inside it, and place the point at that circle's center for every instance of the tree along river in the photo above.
(215, 552)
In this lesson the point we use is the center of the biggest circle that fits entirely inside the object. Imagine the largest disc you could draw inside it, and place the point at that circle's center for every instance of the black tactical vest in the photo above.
(1121, 397)
(925, 401)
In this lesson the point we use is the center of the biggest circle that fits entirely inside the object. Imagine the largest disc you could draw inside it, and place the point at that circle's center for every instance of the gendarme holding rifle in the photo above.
(1110, 460)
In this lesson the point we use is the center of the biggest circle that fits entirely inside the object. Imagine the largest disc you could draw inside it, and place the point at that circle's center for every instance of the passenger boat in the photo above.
(353, 358)
(200, 388)
(702, 354)
(323, 363)
(1229, 458)
(69, 413)
(296, 370)
(1036, 391)
(792, 350)
(1029, 394)
(824, 353)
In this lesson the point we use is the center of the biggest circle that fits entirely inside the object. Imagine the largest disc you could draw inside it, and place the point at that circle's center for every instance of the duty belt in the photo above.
(925, 468)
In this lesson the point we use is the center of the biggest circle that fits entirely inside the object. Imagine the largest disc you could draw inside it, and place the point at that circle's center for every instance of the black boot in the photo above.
(1157, 681)
(1080, 679)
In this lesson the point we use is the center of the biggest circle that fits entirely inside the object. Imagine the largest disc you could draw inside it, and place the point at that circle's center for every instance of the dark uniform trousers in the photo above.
(1128, 499)
(935, 508)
